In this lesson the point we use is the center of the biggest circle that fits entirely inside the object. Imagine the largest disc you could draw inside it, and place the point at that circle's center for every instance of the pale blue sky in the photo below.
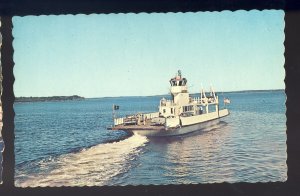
(136, 54)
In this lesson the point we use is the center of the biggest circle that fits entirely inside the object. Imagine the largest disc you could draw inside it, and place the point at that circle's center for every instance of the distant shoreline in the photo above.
(254, 91)
(76, 97)
(218, 92)
(51, 98)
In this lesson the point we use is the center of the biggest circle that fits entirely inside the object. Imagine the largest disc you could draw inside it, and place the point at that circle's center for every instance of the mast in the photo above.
(114, 108)
(113, 113)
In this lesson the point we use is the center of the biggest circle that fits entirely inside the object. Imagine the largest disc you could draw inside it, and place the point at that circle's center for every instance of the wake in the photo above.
(94, 166)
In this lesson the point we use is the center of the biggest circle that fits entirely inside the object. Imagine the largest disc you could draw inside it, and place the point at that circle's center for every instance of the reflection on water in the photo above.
(200, 152)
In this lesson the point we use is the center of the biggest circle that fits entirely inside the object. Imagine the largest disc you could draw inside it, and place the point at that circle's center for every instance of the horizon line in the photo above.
(235, 91)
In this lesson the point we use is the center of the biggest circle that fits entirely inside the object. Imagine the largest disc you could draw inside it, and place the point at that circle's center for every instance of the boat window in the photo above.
(164, 110)
(185, 108)
(180, 83)
(171, 110)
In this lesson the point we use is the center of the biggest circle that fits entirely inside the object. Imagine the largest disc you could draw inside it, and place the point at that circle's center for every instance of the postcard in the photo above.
(149, 99)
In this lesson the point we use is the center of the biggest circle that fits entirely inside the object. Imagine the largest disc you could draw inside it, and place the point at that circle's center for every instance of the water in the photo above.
(66, 143)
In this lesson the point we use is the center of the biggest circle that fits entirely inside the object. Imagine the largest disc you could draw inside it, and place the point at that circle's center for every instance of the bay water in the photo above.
(66, 143)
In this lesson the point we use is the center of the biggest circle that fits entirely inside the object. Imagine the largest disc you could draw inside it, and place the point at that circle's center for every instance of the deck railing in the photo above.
(168, 103)
(198, 100)
(151, 115)
(120, 121)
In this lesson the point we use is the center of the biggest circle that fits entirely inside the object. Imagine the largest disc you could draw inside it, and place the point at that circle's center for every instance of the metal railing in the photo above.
(121, 121)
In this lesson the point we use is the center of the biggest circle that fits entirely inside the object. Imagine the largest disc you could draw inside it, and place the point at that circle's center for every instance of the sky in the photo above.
(103, 55)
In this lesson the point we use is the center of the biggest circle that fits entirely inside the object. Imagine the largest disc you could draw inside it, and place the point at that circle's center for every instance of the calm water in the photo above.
(66, 143)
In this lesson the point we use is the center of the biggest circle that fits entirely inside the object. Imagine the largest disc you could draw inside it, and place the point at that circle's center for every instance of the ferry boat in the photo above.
(180, 115)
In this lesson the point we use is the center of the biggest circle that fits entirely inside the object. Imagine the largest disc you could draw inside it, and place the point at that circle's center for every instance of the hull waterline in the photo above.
(177, 131)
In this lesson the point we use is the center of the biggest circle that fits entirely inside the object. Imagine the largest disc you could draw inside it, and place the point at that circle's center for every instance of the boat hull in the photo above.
(187, 125)
(177, 131)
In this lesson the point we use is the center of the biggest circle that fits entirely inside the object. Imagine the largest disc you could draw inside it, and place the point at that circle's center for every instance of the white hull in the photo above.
(183, 114)
(179, 130)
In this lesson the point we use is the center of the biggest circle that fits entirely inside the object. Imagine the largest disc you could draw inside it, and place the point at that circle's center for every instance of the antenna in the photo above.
(179, 73)
(201, 95)
(213, 92)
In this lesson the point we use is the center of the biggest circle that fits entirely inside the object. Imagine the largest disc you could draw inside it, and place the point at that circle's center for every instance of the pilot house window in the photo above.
(187, 108)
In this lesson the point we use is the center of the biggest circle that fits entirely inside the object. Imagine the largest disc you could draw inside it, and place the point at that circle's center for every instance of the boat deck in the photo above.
(147, 126)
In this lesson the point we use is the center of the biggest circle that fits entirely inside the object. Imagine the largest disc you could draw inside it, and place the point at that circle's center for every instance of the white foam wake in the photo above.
(90, 167)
